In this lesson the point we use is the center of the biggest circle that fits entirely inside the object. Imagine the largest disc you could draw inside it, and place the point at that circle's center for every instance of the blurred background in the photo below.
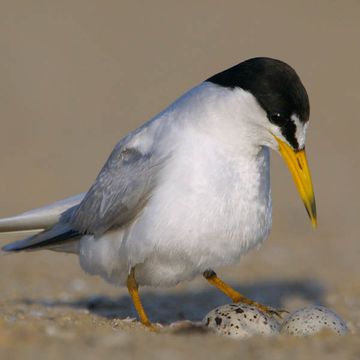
(76, 76)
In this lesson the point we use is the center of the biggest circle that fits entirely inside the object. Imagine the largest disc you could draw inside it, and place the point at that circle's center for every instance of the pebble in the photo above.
(311, 320)
(241, 321)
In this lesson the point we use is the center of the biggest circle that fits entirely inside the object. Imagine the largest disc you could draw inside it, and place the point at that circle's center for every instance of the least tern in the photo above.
(188, 191)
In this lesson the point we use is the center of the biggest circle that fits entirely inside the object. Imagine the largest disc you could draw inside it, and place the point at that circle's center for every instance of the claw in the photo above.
(152, 327)
(267, 310)
(270, 311)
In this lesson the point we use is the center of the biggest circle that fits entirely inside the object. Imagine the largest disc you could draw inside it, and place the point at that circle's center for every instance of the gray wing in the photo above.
(119, 193)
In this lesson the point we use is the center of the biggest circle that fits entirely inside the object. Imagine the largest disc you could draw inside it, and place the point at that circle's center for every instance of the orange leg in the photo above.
(235, 296)
(133, 289)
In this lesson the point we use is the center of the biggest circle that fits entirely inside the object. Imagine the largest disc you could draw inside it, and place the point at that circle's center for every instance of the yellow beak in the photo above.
(299, 168)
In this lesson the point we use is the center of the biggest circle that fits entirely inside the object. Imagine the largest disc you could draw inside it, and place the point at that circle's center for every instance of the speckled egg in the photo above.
(311, 320)
(240, 321)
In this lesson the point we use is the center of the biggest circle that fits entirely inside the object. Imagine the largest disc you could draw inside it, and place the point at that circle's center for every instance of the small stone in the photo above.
(311, 320)
(240, 321)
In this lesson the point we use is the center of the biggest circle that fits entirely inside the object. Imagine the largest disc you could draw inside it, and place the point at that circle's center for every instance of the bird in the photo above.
(189, 191)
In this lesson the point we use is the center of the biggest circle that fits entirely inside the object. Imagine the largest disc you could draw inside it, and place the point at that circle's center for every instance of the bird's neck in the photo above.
(226, 115)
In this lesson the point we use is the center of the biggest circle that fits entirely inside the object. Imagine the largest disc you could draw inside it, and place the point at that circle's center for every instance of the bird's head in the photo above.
(283, 114)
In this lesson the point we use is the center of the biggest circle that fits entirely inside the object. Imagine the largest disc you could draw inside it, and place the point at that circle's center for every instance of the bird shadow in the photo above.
(190, 304)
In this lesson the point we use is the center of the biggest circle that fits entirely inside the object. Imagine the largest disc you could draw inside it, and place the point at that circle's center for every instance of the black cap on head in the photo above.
(277, 88)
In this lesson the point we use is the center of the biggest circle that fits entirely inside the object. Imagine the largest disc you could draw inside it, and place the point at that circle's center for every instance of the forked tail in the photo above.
(54, 235)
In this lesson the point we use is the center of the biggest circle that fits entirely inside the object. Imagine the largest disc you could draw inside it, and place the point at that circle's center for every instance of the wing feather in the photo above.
(119, 193)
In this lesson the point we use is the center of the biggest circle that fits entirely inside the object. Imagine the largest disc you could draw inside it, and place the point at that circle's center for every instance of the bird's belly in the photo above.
(196, 224)
(197, 246)
(177, 242)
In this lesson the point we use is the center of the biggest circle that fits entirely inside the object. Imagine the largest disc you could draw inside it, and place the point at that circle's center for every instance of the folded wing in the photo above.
(40, 218)
(119, 193)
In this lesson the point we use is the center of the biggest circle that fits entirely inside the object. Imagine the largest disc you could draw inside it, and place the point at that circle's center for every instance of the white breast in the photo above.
(211, 210)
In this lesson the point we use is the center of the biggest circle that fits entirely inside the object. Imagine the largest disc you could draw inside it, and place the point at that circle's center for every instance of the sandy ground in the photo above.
(77, 76)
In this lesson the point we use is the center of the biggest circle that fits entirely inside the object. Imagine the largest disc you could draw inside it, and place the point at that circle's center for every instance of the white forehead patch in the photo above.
(301, 129)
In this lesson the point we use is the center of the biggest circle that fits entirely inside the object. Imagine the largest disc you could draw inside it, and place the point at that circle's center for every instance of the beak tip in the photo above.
(311, 210)
(314, 224)
(314, 215)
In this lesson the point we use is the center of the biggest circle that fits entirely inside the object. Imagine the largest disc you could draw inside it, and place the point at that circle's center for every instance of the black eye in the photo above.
(277, 119)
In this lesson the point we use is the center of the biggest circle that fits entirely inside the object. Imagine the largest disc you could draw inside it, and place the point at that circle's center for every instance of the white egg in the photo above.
(311, 320)
(240, 321)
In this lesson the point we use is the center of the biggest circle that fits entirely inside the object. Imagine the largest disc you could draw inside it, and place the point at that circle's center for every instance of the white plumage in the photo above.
(213, 200)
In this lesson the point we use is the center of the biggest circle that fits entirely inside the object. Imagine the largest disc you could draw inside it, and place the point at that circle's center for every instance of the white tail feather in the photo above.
(40, 218)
